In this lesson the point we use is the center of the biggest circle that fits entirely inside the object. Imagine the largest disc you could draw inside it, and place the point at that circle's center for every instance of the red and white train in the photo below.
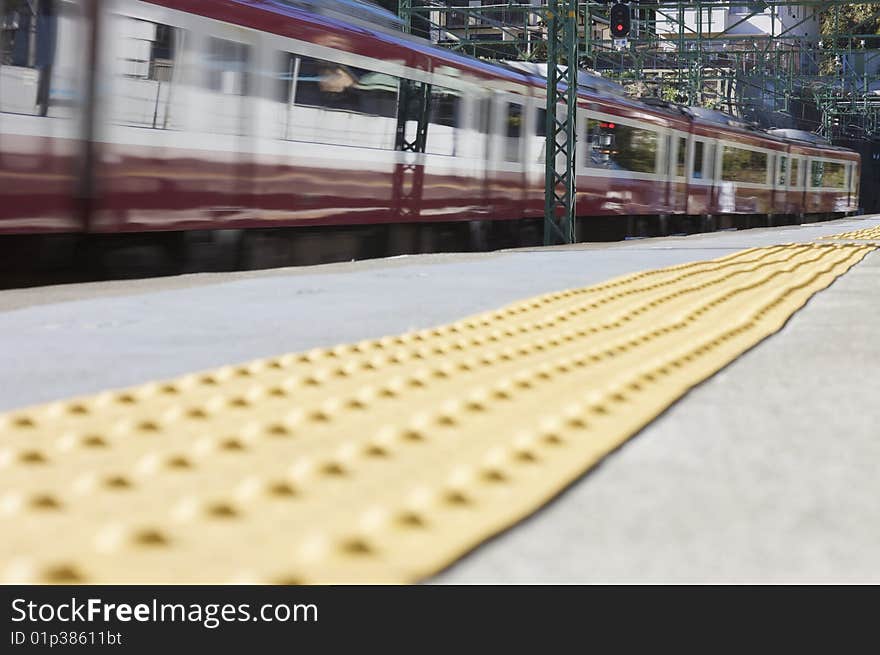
(173, 115)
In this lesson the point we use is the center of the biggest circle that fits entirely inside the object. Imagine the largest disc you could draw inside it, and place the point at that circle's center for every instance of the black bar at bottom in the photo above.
(425, 618)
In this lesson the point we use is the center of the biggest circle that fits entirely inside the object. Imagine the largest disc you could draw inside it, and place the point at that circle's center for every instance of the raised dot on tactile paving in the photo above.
(356, 546)
(334, 469)
(446, 420)
(319, 416)
(151, 537)
(77, 409)
(387, 392)
(32, 457)
(178, 462)
(576, 423)
(412, 434)
(232, 444)
(526, 455)
(93, 441)
(288, 580)
(117, 482)
(457, 498)
(475, 405)
(495, 475)
(501, 394)
(278, 391)
(45, 502)
(411, 520)
(62, 574)
(279, 430)
(221, 510)
(281, 489)
(376, 450)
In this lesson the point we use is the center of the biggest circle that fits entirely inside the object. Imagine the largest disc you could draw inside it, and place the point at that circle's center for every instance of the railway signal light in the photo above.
(619, 19)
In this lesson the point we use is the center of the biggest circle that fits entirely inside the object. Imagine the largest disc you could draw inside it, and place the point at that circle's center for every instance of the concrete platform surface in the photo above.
(763, 473)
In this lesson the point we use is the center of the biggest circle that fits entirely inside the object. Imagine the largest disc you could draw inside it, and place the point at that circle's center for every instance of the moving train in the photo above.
(125, 116)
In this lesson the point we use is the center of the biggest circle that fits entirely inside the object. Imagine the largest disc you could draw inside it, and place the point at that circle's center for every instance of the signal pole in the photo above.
(562, 68)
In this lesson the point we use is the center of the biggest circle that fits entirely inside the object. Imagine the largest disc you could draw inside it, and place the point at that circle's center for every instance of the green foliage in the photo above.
(854, 18)
(838, 21)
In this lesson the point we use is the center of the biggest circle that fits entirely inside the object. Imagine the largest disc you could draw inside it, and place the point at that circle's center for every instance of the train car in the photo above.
(824, 178)
(127, 116)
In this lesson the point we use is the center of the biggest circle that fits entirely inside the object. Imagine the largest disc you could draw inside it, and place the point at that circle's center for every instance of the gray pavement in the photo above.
(767, 472)
(763, 473)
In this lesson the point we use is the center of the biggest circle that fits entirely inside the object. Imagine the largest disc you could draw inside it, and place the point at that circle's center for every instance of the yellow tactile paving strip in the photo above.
(381, 461)
(865, 234)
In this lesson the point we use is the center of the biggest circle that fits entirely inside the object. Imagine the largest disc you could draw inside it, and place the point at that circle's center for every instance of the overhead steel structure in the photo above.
(779, 63)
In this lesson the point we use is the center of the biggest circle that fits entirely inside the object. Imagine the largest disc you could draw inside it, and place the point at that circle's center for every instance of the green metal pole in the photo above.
(404, 10)
(562, 68)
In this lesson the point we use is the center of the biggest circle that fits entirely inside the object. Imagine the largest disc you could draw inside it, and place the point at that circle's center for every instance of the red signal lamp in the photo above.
(619, 20)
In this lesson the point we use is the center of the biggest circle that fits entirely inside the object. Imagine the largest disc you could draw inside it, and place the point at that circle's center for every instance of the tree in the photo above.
(855, 18)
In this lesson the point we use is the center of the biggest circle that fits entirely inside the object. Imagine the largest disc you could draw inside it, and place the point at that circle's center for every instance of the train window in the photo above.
(146, 70)
(782, 171)
(740, 165)
(698, 160)
(227, 67)
(413, 96)
(227, 81)
(149, 49)
(443, 119)
(28, 37)
(834, 175)
(665, 161)
(817, 170)
(795, 172)
(541, 123)
(709, 162)
(681, 158)
(328, 102)
(445, 105)
(485, 116)
(539, 140)
(620, 147)
(330, 85)
(286, 78)
(514, 132)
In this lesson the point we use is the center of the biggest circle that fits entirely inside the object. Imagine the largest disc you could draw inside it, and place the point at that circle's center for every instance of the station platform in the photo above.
(760, 470)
